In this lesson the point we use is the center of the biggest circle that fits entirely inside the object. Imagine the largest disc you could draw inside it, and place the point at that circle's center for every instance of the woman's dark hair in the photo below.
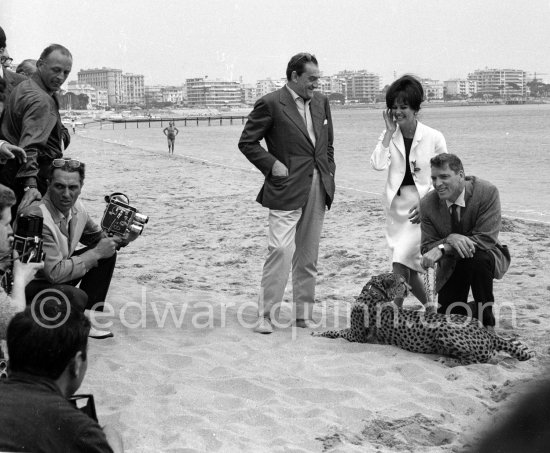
(43, 339)
(407, 89)
(297, 63)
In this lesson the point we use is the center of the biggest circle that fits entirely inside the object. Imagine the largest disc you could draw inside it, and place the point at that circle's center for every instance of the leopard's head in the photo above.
(387, 286)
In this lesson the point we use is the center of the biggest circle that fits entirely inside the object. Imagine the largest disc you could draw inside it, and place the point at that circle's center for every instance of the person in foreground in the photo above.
(11, 78)
(405, 149)
(47, 364)
(31, 121)
(171, 131)
(460, 223)
(66, 224)
(7, 150)
(23, 273)
(299, 167)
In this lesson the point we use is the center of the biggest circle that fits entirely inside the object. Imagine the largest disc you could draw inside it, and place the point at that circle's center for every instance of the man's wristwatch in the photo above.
(441, 247)
(27, 188)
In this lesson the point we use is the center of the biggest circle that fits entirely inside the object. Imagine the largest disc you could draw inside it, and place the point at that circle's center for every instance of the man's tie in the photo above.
(64, 227)
(456, 227)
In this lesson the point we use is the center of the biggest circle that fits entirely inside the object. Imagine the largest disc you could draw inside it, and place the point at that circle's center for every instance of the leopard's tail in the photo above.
(331, 333)
(514, 347)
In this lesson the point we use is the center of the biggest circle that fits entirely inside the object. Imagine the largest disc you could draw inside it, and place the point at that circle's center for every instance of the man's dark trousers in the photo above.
(93, 287)
(476, 272)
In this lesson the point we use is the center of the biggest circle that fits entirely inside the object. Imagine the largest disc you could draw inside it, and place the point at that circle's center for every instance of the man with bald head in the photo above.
(31, 121)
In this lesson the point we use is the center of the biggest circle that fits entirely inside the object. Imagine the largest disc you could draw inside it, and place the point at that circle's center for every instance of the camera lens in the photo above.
(141, 218)
(135, 229)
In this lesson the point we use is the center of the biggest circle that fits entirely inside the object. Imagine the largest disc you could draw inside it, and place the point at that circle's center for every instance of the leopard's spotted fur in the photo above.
(374, 318)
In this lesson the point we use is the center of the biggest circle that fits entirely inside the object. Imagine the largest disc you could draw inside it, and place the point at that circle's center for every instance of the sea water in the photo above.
(508, 145)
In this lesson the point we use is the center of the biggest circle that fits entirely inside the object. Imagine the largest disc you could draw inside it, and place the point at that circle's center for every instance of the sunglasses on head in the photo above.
(66, 162)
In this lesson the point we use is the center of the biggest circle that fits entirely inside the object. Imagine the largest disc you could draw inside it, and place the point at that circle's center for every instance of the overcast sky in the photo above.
(169, 41)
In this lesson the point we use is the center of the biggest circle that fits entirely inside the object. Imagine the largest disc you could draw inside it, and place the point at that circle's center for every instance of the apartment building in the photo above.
(133, 89)
(268, 85)
(361, 86)
(433, 89)
(500, 82)
(121, 88)
(202, 92)
(106, 79)
(97, 97)
(460, 87)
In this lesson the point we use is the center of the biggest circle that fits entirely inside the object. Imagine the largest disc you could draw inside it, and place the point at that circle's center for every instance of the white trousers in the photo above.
(293, 241)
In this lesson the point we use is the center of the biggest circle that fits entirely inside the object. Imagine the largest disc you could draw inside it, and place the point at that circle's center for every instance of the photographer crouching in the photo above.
(66, 224)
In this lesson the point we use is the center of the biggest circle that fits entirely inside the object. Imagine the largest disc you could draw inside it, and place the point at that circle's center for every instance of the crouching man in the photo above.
(66, 224)
(47, 363)
(460, 223)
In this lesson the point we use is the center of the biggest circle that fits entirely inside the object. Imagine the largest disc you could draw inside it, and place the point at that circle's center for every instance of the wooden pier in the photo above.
(181, 121)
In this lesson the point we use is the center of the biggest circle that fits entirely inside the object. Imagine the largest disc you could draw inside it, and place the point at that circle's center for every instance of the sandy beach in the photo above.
(185, 373)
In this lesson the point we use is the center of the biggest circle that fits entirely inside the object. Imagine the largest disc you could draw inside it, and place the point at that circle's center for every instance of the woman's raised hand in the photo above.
(391, 125)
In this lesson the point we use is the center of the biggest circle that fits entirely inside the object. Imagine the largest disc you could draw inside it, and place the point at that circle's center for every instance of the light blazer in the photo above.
(427, 142)
(60, 266)
(480, 220)
(275, 118)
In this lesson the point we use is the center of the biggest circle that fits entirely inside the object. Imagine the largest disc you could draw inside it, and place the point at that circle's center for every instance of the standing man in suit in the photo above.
(460, 222)
(299, 167)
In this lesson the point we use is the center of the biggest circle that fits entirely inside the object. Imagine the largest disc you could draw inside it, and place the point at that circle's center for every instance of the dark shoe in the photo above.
(100, 334)
(264, 326)
(306, 324)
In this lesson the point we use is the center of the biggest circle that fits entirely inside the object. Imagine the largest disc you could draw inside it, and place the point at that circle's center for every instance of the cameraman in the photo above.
(48, 361)
(66, 224)
(22, 273)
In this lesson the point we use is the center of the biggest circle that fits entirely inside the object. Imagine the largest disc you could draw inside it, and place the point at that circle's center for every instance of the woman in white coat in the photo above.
(405, 149)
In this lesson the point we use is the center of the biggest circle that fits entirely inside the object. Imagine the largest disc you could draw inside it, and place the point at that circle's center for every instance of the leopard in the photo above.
(375, 318)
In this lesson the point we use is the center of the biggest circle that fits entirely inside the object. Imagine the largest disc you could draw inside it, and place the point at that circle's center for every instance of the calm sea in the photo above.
(507, 145)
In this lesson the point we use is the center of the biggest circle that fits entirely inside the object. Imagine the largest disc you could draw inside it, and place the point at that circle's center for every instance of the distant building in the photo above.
(361, 86)
(153, 94)
(133, 89)
(460, 87)
(248, 94)
(202, 92)
(332, 84)
(121, 88)
(106, 79)
(173, 94)
(96, 96)
(500, 82)
(268, 85)
(433, 89)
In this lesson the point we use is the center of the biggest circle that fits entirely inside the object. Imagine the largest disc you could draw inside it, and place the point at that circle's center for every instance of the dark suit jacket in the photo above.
(480, 219)
(276, 119)
(12, 79)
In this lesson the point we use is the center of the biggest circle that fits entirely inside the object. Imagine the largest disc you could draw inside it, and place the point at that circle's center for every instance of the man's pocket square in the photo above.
(326, 122)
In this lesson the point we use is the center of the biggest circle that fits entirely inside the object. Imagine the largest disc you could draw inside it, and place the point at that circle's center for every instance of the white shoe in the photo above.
(264, 326)
(100, 334)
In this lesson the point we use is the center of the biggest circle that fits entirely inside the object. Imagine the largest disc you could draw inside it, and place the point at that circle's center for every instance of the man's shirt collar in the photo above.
(460, 201)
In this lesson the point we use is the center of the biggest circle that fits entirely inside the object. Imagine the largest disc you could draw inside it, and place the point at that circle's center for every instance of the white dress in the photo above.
(403, 237)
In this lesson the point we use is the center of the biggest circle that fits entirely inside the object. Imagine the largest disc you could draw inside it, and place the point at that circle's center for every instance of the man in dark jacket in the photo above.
(460, 222)
(31, 121)
(48, 348)
(299, 167)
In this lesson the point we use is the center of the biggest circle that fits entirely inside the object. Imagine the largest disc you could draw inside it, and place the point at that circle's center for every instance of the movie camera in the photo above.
(121, 219)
